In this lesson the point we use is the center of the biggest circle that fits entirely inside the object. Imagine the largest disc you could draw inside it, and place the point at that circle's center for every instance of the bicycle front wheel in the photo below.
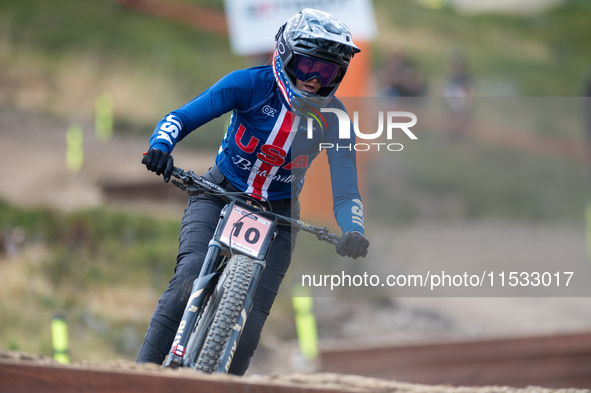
(233, 291)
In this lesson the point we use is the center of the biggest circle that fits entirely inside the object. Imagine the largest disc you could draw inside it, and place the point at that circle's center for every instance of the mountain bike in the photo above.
(221, 297)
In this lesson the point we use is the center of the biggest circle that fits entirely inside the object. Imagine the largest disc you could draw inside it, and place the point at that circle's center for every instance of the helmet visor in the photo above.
(307, 68)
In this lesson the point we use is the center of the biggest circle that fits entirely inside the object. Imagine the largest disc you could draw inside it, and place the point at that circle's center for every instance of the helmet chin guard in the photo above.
(317, 35)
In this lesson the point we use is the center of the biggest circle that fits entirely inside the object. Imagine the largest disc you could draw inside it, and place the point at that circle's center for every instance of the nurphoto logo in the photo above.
(392, 123)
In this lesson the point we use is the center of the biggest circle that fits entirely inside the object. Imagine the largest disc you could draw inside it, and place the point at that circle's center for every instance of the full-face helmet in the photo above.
(312, 44)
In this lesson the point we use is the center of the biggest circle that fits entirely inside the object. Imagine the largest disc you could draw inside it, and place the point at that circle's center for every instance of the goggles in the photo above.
(307, 68)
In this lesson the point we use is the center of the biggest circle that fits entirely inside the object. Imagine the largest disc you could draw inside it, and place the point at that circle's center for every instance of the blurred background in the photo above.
(501, 172)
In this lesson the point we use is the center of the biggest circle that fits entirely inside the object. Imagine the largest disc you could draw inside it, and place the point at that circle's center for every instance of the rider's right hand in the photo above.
(160, 162)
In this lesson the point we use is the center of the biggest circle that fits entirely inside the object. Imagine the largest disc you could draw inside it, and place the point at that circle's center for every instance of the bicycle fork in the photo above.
(202, 286)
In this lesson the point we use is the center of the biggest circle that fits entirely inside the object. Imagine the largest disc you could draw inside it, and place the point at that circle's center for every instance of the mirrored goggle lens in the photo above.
(307, 68)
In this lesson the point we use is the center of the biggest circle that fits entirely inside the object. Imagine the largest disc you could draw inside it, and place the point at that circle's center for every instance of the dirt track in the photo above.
(34, 148)
(25, 373)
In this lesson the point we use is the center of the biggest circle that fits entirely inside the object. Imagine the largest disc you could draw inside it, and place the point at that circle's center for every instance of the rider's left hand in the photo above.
(353, 244)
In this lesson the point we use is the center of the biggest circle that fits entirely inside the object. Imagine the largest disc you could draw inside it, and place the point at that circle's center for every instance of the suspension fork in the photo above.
(202, 286)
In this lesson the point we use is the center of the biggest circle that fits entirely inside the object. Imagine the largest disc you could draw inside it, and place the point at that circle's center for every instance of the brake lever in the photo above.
(324, 234)
(179, 184)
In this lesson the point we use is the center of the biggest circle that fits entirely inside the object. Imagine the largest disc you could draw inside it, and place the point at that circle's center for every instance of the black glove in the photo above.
(160, 162)
(353, 244)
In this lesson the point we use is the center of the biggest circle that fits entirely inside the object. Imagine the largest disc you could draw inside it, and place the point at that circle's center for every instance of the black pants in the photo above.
(197, 229)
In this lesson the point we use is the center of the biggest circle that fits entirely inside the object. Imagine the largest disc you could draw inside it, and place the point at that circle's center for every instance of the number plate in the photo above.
(249, 231)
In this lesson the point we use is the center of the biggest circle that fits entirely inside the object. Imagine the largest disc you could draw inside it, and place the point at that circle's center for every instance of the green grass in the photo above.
(104, 270)
(150, 65)
(98, 247)
(109, 33)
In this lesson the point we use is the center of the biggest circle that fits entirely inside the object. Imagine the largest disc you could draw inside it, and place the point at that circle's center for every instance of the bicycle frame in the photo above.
(242, 228)
(229, 227)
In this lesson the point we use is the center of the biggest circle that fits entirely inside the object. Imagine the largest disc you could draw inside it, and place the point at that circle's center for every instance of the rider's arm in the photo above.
(231, 92)
(348, 209)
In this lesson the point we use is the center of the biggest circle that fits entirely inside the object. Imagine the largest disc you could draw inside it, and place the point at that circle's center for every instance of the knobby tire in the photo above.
(239, 274)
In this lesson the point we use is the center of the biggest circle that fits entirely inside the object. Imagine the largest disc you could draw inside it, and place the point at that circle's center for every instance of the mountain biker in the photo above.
(265, 152)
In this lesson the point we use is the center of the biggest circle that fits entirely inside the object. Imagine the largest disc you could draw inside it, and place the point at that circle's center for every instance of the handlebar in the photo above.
(193, 183)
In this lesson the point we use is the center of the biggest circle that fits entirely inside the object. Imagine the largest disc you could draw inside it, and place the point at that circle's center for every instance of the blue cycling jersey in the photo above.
(267, 148)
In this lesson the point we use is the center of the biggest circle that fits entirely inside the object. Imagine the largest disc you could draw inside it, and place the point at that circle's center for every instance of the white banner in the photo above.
(252, 24)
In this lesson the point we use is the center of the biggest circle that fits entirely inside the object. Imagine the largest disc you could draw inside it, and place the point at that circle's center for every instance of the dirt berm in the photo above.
(20, 372)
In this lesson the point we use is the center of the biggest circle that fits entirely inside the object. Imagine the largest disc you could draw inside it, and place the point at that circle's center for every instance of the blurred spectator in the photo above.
(402, 78)
(458, 93)
(11, 241)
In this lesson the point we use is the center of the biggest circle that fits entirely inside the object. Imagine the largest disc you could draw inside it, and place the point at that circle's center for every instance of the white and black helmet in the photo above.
(318, 38)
